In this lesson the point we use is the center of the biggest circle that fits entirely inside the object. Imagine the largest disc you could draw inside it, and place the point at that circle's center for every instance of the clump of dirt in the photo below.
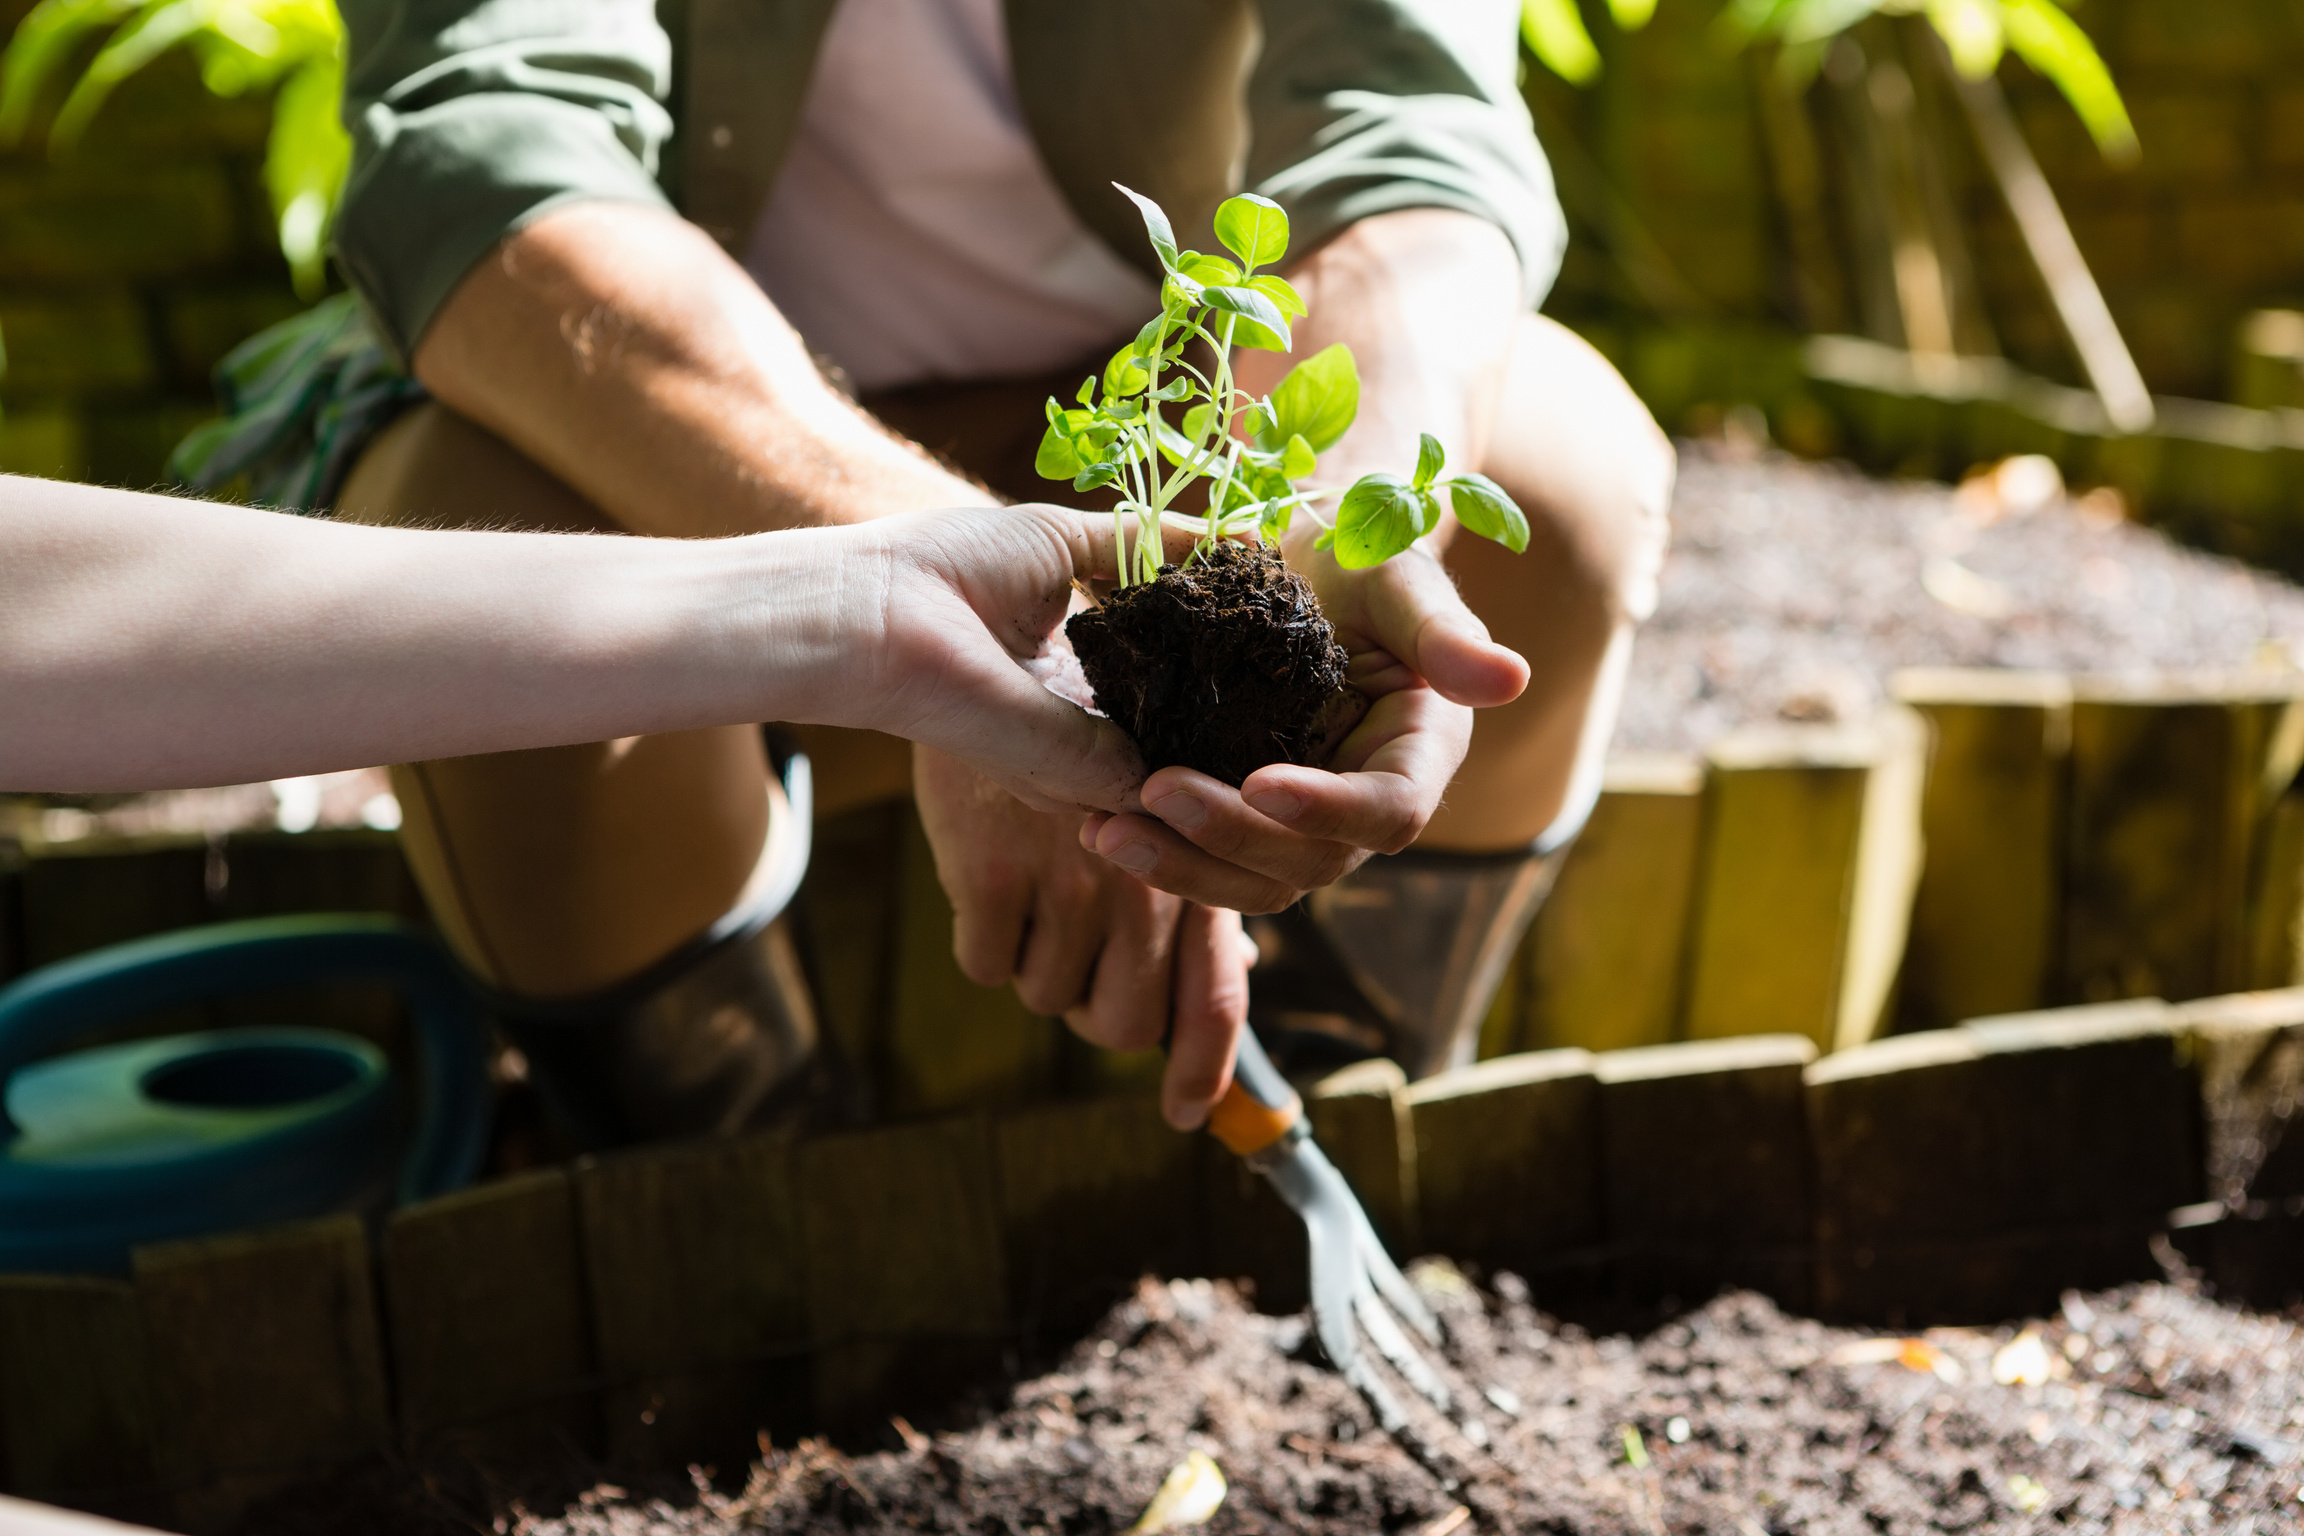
(2144, 1409)
(1226, 665)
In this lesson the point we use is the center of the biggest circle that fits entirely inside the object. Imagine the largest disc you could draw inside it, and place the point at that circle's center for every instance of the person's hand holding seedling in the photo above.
(1254, 832)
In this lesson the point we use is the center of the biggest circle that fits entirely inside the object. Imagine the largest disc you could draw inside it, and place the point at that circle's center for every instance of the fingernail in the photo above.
(1179, 808)
(1136, 858)
(1188, 1117)
(1277, 804)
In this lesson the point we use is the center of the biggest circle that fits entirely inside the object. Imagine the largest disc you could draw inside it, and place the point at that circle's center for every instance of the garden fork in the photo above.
(1356, 1287)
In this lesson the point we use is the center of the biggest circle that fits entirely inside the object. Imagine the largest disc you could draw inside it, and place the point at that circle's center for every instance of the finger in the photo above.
(1160, 858)
(1092, 539)
(1128, 999)
(1060, 950)
(1044, 750)
(1212, 816)
(1211, 1008)
(1412, 609)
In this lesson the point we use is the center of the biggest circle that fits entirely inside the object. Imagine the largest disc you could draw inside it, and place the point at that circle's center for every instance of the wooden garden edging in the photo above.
(667, 1304)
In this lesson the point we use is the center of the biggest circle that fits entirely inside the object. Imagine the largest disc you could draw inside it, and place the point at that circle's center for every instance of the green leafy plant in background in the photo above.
(1977, 33)
(294, 47)
(1249, 453)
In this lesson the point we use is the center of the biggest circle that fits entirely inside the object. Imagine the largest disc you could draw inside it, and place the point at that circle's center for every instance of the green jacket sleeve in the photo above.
(1361, 107)
(469, 118)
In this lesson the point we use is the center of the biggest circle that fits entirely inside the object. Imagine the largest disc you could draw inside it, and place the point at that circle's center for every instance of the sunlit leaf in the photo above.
(1087, 394)
(1197, 421)
(2052, 43)
(1207, 269)
(1057, 458)
(306, 158)
(1095, 475)
(1253, 228)
(1555, 33)
(1631, 15)
(1430, 456)
(1972, 34)
(1283, 296)
(1481, 505)
(1249, 305)
(44, 41)
(1155, 225)
(1122, 375)
(1317, 401)
(1298, 460)
(1380, 516)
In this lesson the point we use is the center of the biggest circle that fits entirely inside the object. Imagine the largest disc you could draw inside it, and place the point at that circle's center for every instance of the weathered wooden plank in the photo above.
(1605, 961)
(1508, 1161)
(1705, 1172)
(907, 1278)
(490, 1332)
(267, 874)
(1987, 915)
(699, 1297)
(2276, 896)
(2173, 780)
(75, 1411)
(1093, 1195)
(1362, 1120)
(84, 895)
(1976, 1172)
(267, 1361)
(1812, 849)
(951, 1043)
(11, 909)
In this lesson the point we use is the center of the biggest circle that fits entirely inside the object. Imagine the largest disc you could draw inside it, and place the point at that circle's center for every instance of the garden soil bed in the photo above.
(2145, 1409)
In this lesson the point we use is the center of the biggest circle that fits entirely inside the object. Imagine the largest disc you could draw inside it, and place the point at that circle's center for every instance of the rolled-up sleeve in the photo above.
(1361, 107)
(471, 118)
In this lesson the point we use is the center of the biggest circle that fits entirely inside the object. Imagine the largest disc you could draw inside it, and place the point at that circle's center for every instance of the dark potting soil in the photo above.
(1226, 666)
(1792, 590)
(2145, 1409)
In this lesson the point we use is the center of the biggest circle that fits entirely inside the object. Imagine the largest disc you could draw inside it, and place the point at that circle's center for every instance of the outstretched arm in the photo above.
(147, 642)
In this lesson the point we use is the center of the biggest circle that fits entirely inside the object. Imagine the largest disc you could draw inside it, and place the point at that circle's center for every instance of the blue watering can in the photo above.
(193, 1134)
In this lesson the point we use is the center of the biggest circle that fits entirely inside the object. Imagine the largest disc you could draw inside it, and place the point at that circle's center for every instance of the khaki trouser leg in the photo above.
(558, 872)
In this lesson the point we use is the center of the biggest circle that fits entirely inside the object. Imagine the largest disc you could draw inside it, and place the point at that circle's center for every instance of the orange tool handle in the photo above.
(1259, 1108)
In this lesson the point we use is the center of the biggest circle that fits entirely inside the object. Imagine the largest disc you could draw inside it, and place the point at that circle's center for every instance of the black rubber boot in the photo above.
(1400, 958)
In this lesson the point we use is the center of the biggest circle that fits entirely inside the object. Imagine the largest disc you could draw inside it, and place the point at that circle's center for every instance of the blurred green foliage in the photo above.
(1977, 33)
(293, 47)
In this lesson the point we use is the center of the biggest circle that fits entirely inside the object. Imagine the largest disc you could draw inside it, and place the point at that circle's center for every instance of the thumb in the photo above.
(1416, 614)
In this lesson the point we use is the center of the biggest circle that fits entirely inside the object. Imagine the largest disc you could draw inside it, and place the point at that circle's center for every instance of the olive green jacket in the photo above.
(472, 117)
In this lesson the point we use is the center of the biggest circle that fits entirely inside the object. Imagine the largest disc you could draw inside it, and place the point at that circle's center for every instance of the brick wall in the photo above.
(126, 270)
(1684, 203)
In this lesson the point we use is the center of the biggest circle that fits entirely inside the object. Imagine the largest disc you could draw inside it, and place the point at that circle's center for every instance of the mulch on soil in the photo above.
(2144, 1409)
(1792, 590)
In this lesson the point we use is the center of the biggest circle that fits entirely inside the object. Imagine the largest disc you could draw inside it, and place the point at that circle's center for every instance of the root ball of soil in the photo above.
(1225, 666)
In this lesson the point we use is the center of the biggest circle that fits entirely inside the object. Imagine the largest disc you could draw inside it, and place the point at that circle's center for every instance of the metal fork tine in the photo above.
(1393, 1345)
(1394, 1286)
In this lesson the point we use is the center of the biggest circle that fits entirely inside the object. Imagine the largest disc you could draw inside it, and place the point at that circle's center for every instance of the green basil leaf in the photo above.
(1381, 515)
(1196, 421)
(1058, 458)
(1122, 375)
(1181, 293)
(1155, 225)
(1248, 304)
(1317, 400)
(1428, 511)
(1253, 228)
(1279, 291)
(1175, 389)
(1482, 506)
(1257, 418)
(1273, 525)
(1297, 459)
(1095, 475)
(1429, 458)
(1248, 334)
(1327, 539)
(1207, 269)
(1087, 395)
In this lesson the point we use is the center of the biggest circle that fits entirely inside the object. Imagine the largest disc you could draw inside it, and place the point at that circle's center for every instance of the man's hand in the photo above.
(1426, 299)
(1126, 966)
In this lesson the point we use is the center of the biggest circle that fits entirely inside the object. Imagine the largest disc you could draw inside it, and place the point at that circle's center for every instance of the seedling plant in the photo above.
(1156, 424)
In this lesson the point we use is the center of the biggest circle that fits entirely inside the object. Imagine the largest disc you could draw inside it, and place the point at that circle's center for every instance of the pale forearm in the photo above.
(148, 643)
(622, 350)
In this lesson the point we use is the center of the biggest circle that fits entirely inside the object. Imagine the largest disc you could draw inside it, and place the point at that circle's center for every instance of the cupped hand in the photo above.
(1422, 660)
(943, 624)
(1126, 966)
